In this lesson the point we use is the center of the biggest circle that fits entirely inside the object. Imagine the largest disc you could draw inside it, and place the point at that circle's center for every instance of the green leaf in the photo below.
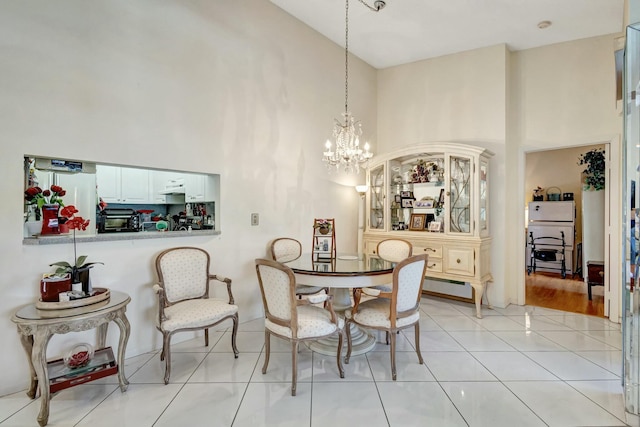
(61, 264)
(80, 260)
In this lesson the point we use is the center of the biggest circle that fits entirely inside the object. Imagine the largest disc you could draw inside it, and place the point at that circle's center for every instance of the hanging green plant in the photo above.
(594, 176)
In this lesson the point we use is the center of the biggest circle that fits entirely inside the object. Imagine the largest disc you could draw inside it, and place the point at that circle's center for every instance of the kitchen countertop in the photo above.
(113, 237)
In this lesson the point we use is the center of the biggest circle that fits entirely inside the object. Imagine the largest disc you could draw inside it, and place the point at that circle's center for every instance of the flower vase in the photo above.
(82, 276)
(50, 223)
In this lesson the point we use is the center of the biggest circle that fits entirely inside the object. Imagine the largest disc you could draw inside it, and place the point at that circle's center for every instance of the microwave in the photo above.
(118, 220)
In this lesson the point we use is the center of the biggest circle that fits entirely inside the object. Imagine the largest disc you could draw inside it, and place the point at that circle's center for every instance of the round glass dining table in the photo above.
(340, 275)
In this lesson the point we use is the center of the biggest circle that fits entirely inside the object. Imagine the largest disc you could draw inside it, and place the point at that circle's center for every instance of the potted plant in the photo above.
(323, 226)
(594, 172)
(79, 271)
(47, 202)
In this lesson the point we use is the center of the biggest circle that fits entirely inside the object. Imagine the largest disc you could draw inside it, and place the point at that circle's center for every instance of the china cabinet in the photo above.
(435, 195)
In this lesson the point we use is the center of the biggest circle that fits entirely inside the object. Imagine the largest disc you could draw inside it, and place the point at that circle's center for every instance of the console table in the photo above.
(36, 327)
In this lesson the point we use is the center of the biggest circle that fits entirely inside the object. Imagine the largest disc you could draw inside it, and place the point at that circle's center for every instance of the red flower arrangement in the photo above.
(36, 196)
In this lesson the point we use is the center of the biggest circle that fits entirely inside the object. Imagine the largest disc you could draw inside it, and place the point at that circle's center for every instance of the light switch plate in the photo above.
(255, 219)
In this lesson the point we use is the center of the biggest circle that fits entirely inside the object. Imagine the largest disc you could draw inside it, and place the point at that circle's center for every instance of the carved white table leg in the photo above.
(123, 323)
(39, 361)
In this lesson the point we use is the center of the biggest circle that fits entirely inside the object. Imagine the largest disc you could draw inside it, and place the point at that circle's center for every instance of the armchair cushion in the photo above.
(376, 313)
(312, 322)
(196, 313)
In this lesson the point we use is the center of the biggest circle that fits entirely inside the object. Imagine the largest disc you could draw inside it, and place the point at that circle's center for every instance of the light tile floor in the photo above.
(524, 366)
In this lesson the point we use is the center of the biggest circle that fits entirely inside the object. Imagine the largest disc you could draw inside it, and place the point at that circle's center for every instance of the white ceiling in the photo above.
(411, 30)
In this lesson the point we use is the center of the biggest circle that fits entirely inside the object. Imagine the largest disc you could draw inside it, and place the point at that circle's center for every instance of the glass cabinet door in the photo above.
(376, 198)
(484, 214)
(459, 195)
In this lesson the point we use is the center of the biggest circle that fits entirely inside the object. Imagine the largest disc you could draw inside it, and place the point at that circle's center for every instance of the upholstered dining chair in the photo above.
(183, 298)
(394, 250)
(395, 310)
(286, 249)
(294, 319)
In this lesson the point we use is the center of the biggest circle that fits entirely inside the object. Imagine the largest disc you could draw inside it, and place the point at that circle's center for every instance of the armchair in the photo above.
(183, 298)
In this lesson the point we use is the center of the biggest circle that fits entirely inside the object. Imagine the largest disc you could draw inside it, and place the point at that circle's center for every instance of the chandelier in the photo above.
(347, 132)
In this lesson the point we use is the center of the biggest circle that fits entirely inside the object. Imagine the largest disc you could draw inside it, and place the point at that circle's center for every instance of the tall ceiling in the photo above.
(411, 30)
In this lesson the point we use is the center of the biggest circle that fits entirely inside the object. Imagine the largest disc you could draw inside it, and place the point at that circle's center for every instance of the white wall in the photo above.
(550, 97)
(461, 98)
(236, 88)
(563, 96)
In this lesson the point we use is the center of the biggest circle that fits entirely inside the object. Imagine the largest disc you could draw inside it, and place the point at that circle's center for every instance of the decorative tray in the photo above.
(101, 365)
(99, 294)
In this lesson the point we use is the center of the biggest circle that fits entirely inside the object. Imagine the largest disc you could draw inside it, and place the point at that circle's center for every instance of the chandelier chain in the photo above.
(346, 57)
(347, 132)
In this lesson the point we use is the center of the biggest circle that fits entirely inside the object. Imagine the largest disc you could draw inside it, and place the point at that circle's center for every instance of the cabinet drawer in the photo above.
(459, 261)
(434, 265)
(434, 251)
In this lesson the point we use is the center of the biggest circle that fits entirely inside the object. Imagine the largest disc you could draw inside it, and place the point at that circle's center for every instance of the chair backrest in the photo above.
(183, 273)
(408, 276)
(394, 250)
(278, 288)
(285, 249)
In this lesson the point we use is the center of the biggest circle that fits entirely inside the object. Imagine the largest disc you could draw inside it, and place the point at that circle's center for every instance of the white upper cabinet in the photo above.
(123, 185)
(201, 188)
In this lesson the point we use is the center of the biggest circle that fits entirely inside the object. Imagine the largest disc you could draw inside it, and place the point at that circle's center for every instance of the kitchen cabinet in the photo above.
(436, 196)
(123, 185)
(200, 188)
(159, 182)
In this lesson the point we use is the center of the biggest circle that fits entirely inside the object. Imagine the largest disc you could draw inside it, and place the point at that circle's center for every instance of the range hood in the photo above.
(174, 186)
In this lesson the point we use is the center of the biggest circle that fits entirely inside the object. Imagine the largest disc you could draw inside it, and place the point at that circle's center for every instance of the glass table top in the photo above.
(342, 265)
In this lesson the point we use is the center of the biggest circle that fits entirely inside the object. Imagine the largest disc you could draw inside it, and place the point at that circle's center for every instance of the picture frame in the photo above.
(426, 203)
(441, 197)
(402, 225)
(397, 198)
(407, 203)
(406, 194)
(417, 222)
(435, 226)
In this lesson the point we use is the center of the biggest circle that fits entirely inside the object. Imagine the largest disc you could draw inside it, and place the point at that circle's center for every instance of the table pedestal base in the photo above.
(361, 342)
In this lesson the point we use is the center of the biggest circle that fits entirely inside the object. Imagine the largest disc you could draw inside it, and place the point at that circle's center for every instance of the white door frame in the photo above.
(613, 227)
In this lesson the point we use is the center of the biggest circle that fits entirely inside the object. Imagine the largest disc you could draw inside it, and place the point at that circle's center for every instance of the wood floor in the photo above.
(551, 291)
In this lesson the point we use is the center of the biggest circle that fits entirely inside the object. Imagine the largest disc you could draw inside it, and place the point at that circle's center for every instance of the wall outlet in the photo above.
(255, 219)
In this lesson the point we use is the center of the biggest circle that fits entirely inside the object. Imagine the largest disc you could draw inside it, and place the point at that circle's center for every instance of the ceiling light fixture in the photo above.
(544, 24)
(347, 132)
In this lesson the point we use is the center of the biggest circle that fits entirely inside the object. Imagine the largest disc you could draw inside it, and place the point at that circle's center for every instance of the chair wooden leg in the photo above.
(393, 355)
(234, 333)
(267, 351)
(206, 337)
(339, 355)
(417, 340)
(166, 350)
(294, 366)
(347, 328)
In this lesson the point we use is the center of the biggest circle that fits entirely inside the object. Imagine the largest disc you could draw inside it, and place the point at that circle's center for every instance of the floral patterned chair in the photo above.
(395, 310)
(294, 319)
(286, 249)
(183, 298)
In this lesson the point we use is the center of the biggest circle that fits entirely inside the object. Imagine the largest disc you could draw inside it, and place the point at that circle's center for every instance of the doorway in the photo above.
(559, 174)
